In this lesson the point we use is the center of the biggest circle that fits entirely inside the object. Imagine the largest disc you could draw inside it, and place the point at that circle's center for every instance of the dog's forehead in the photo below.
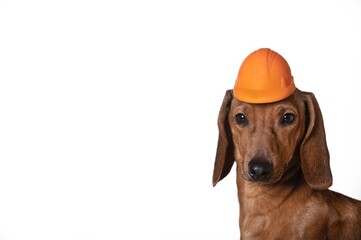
(288, 103)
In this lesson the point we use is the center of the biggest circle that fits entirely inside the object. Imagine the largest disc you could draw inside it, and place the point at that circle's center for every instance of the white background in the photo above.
(108, 109)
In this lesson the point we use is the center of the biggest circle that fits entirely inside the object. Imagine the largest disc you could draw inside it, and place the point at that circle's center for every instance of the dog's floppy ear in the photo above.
(315, 158)
(225, 149)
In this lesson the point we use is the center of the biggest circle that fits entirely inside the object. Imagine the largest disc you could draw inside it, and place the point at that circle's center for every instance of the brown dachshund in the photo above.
(283, 171)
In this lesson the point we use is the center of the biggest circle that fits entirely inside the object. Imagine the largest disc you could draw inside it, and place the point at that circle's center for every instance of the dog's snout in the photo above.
(259, 169)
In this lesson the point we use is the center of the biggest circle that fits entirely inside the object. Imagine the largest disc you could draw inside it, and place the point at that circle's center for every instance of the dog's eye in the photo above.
(241, 119)
(287, 118)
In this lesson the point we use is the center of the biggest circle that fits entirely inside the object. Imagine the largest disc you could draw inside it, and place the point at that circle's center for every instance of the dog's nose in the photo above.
(259, 169)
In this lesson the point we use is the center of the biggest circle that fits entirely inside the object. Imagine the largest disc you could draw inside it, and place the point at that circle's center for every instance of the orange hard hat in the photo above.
(264, 77)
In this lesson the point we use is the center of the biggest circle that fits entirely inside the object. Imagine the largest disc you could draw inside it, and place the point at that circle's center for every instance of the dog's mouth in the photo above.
(264, 173)
(268, 180)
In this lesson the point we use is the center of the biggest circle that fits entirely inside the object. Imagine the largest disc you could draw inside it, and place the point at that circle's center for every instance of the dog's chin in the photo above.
(272, 179)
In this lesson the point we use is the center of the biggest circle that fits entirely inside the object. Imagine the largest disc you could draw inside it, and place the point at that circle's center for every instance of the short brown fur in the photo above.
(293, 202)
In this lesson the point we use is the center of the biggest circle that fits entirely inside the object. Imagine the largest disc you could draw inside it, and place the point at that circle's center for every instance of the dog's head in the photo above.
(269, 140)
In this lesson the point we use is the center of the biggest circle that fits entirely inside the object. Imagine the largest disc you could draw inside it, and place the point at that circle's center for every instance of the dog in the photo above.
(283, 171)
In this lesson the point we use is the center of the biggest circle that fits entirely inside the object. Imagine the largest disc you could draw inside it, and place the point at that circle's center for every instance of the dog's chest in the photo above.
(262, 227)
(258, 223)
(252, 226)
